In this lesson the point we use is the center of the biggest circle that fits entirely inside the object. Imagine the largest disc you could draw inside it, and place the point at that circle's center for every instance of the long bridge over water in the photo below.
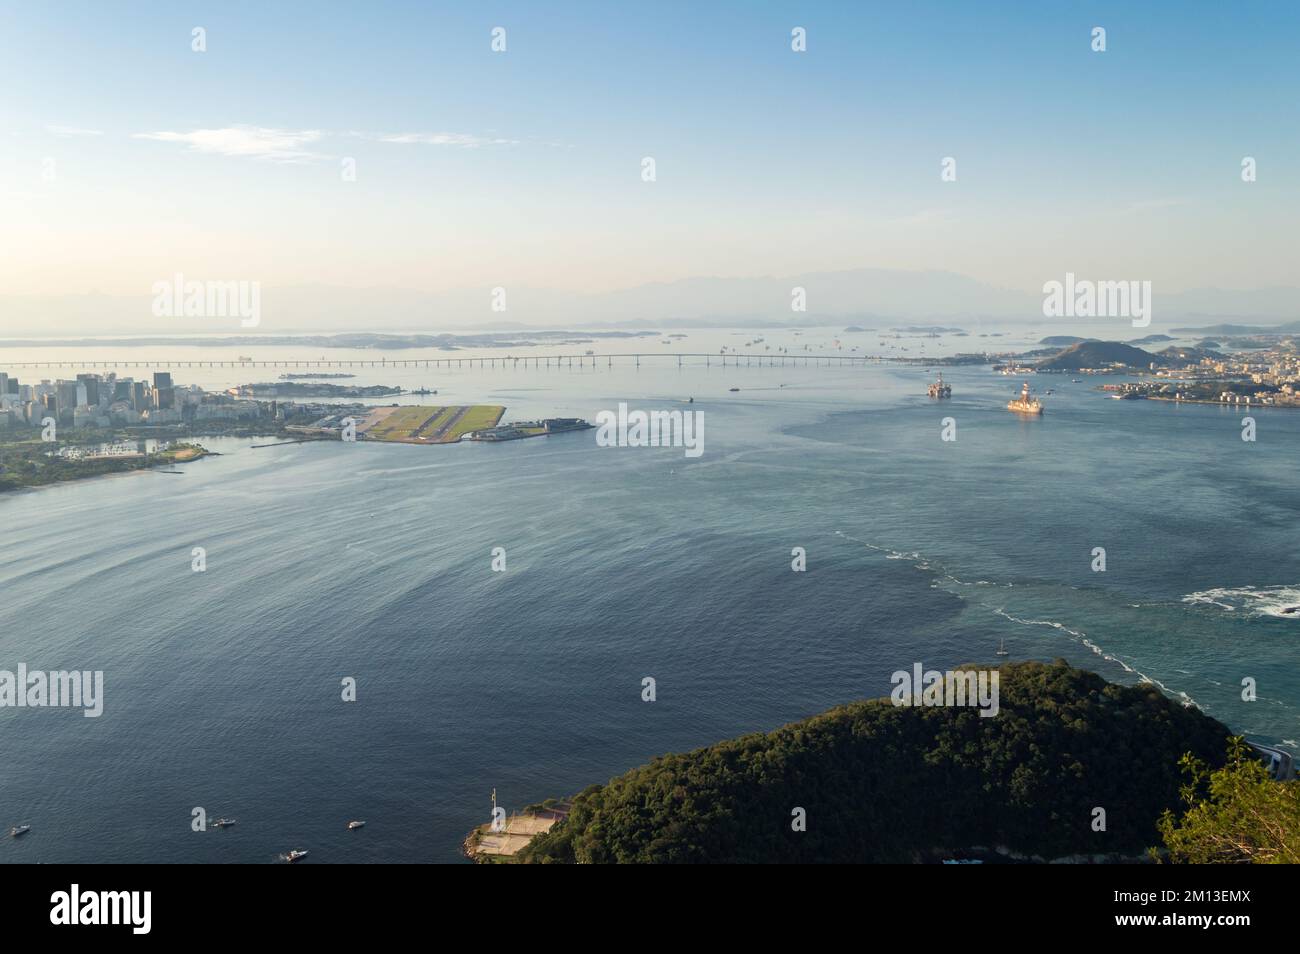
(502, 361)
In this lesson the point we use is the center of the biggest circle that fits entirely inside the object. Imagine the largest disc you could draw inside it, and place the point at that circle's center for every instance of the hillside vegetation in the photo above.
(1099, 354)
(1234, 814)
(881, 783)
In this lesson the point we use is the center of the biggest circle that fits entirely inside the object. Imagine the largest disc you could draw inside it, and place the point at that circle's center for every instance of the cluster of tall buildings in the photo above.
(93, 400)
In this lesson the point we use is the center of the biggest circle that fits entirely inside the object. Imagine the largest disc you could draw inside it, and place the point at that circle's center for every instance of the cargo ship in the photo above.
(940, 390)
(1025, 404)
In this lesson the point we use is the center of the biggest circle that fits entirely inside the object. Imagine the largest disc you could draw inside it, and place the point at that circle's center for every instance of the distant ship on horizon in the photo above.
(1025, 404)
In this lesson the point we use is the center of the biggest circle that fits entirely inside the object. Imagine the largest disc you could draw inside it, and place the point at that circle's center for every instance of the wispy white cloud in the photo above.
(250, 142)
(284, 145)
(72, 131)
(461, 140)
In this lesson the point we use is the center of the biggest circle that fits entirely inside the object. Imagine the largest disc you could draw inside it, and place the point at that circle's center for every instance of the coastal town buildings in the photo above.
(101, 401)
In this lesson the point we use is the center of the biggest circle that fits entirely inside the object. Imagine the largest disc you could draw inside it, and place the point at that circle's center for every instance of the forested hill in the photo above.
(1099, 354)
(883, 783)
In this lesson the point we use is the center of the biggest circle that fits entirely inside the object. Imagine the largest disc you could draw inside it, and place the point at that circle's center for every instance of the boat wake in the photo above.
(1281, 602)
(920, 562)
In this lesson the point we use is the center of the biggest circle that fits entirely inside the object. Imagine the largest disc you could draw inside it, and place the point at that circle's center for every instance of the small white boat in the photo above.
(296, 855)
(223, 823)
(19, 830)
(1002, 648)
(354, 825)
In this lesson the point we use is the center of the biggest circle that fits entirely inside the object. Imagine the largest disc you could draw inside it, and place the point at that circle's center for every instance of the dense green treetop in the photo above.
(886, 783)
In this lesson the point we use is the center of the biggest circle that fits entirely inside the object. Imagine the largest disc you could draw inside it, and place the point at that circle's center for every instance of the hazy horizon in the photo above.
(869, 297)
(392, 172)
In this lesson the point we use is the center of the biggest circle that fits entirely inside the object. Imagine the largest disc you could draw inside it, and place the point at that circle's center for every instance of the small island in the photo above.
(292, 389)
(315, 375)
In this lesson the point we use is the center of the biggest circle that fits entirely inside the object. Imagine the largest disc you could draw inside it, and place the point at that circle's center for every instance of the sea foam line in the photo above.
(1109, 657)
(924, 563)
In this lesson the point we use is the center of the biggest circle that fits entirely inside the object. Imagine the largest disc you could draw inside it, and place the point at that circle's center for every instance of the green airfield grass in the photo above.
(418, 424)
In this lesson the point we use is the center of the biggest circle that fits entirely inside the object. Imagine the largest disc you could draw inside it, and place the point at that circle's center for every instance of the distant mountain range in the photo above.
(1288, 328)
(445, 342)
(866, 297)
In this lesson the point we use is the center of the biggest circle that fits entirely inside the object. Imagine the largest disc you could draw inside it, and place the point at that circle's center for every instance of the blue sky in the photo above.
(475, 167)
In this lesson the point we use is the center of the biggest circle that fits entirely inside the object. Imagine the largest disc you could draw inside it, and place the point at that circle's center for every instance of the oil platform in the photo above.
(1025, 404)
